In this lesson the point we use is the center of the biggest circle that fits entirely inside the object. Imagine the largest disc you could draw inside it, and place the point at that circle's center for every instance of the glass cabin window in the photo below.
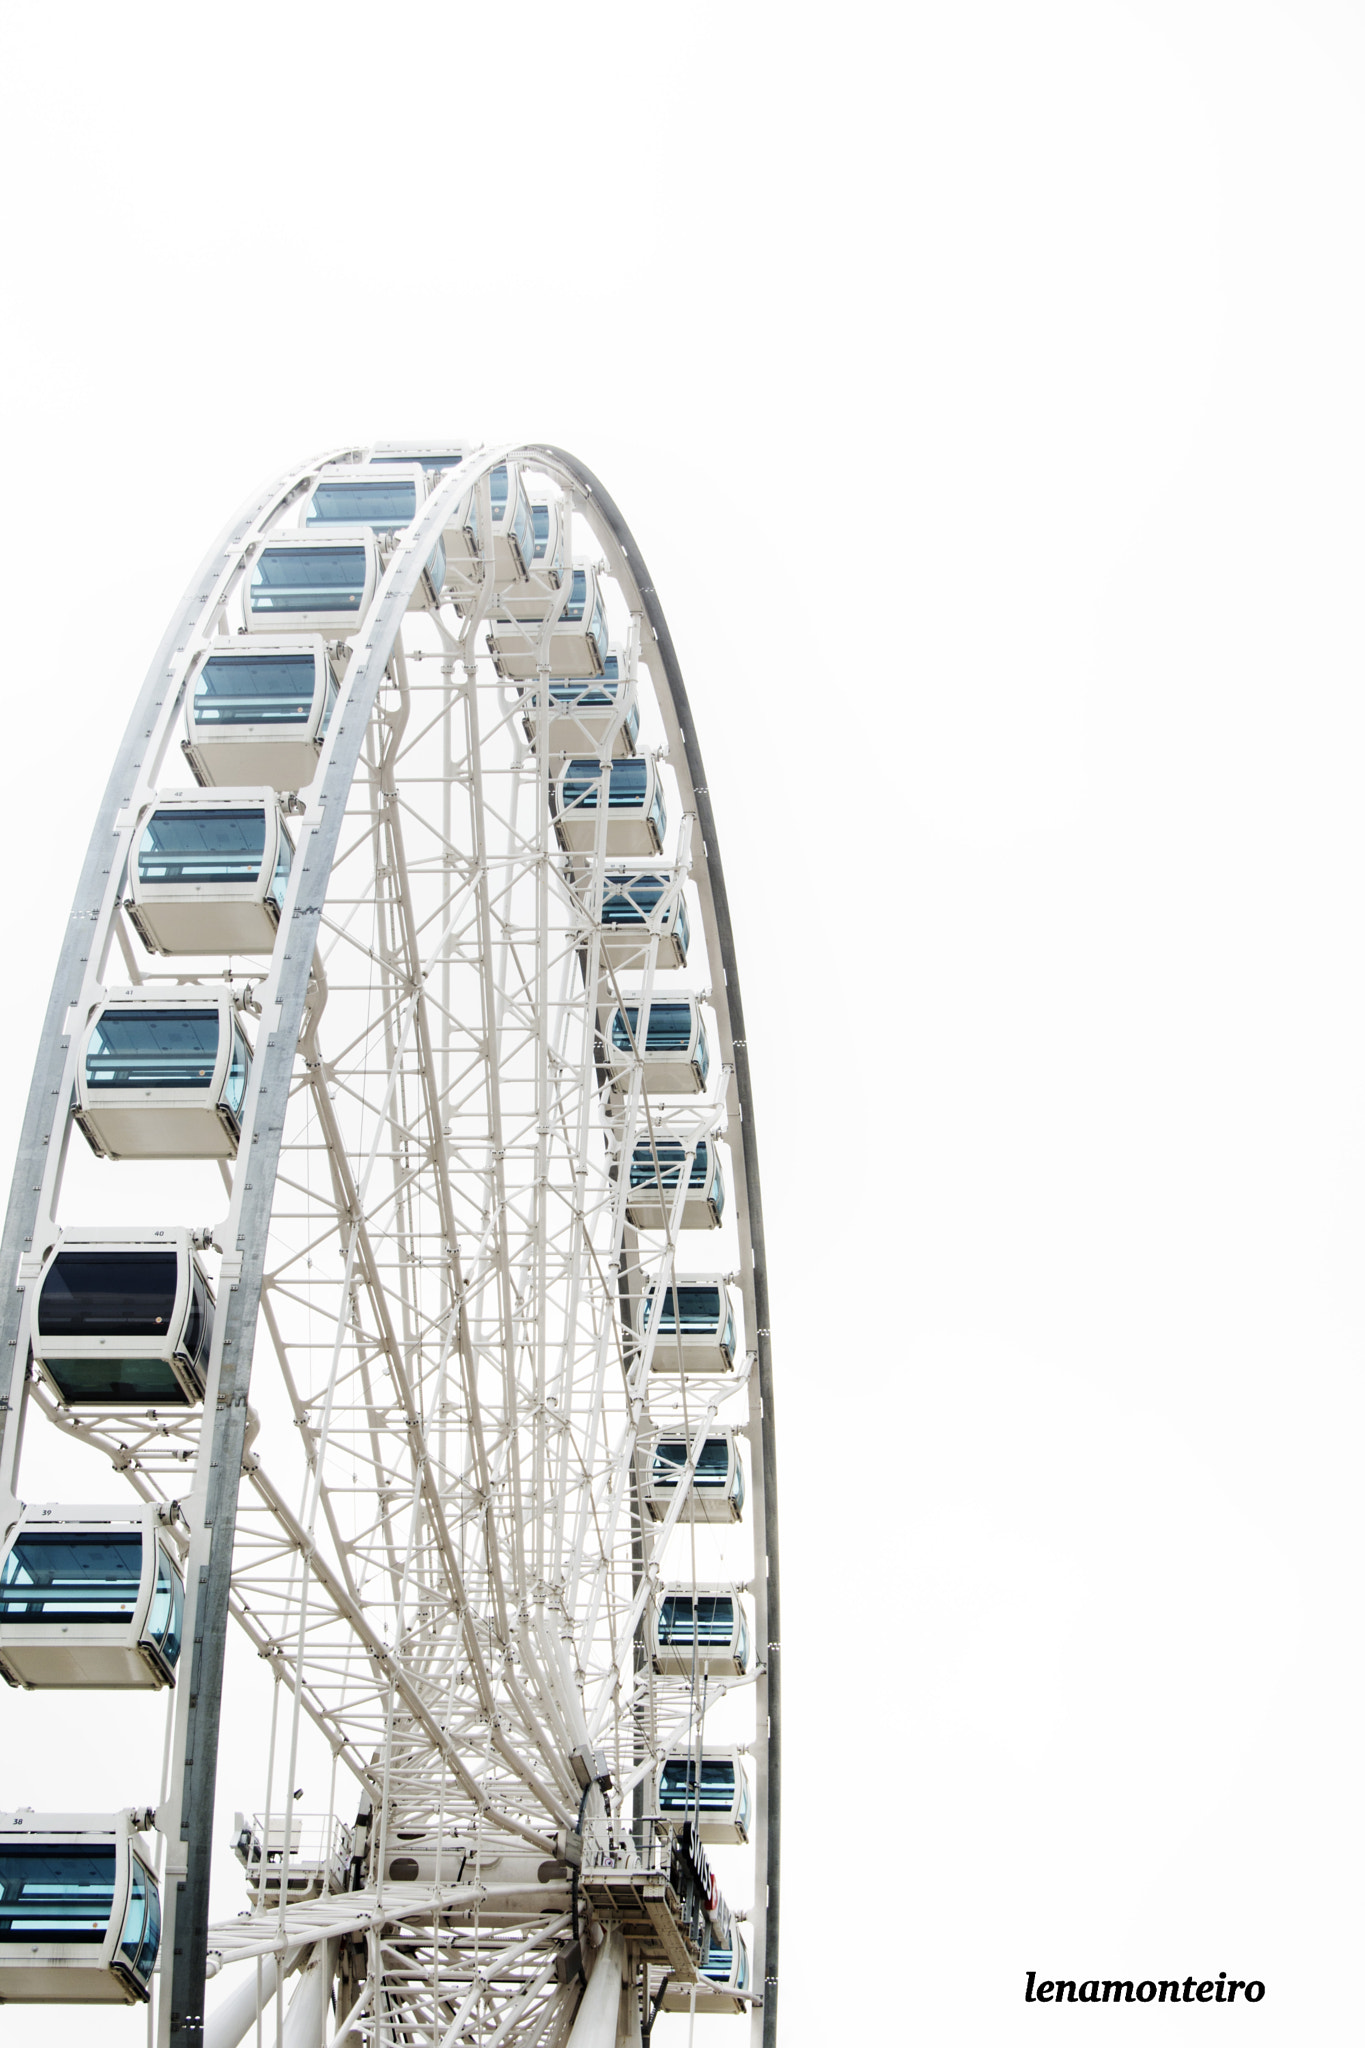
(271, 689)
(329, 703)
(718, 1965)
(627, 787)
(153, 1049)
(141, 1934)
(714, 1621)
(436, 568)
(109, 1294)
(383, 506)
(166, 1619)
(678, 1783)
(497, 490)
(629, 899)
(669, 1028)
(235, 1092)
(597, 631)
(51, 1892)
(522, 532)
(199, 1322)
(578, 598)
(712, 1468)
(699, 1307)
(202, 846)
(279, 881)
(540, 527)
(671, 1154)
(72, 1576)
(308, 580)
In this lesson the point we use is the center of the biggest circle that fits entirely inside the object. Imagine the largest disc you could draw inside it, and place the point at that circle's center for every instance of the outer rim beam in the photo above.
(610, 512)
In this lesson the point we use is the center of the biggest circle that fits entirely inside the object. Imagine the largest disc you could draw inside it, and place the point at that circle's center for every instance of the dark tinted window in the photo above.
(108, 1294)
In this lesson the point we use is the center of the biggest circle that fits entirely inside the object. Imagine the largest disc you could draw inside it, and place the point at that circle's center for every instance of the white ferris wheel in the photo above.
(402, 942)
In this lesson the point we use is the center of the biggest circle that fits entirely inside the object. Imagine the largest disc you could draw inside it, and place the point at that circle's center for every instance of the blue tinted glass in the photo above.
(670, 1151)
(540, 526)
(235, 1092)
(56, 1893)
(678, 1785)
(578, 597)
(628, 899)
(700, 1309)
(669, 1028)
(279, 881)
(714, 1619)
(308, 580)
(152, 1049)
(202, 846)
(64, 1575)
(133, 1942)
(497, 489)
(272, 689)
(382, 506)
(166, 1618)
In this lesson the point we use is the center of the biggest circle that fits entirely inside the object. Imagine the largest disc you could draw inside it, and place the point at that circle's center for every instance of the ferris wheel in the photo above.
(402, 948)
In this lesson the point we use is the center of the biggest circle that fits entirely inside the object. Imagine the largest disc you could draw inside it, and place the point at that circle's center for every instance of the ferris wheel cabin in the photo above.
(384, 499)
(636, 818)
(163, 1076)
(90, 1598)
(259, 714)
(124, 1319)
(537, 598)
(705, 1631)
(80, 1912)
(696, 1324)
(722, 1975)
(654, 1187)
(601, 714)
(665, 1038)
(578, 643)
(717, 1490)
(305, 583)
(209, 874)
(644, 918)
(719, 1808)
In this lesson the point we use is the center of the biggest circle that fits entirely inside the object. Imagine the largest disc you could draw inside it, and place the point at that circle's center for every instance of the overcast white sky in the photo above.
(983, 383)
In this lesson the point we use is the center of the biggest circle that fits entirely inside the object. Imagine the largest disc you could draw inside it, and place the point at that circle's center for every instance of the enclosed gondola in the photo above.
(384, 498)
(578, 643)
(636, 818)
(537, 598)
(80, 1912)
(91, 1598)
(123, 1319)
(664, 1037)
(717, 1490)
(601, 714)
(702, 1629)
(259, 713)
(163, 1075)
(305, 583)
(696, 1329)
(656, 1168)
(716, 1801)
(643, 919)
(209, 874)
(722, 1977)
